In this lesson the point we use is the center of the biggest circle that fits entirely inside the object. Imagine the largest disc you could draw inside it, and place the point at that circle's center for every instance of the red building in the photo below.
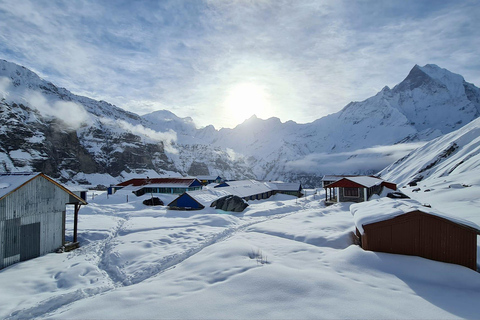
(355, 188)
(406, 227)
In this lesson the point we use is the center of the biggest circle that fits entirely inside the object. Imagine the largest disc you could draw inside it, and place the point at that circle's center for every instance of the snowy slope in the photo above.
(446, 171)
(450, 155)
(282, 258)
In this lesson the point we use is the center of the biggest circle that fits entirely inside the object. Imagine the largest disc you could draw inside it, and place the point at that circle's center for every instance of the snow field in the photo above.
(282, 258)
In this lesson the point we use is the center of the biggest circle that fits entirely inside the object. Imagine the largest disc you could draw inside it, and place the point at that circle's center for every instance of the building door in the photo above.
(29, 241)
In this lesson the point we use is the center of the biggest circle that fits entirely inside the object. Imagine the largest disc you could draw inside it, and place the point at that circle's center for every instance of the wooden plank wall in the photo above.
(420, 234)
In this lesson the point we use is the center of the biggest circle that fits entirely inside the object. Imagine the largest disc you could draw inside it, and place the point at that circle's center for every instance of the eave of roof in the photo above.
(33, 176)
(137, 182)
(356, 182)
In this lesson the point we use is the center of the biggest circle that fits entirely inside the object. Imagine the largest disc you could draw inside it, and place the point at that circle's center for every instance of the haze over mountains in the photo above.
(78, 139)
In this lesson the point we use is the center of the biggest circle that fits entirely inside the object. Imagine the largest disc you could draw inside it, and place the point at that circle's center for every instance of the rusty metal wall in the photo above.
(420, 234)
(39, 201)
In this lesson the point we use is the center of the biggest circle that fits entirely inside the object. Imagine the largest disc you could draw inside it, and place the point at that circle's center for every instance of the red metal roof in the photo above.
(361, 182)
(345, 183)
(146, 181)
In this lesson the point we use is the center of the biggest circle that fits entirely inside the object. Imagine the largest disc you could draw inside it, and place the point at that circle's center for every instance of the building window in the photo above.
(350, 192)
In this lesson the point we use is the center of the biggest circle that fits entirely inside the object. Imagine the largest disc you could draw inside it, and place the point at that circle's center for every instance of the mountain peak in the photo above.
(416, 78)
(441, 75)
(432, 76)
(166, 115)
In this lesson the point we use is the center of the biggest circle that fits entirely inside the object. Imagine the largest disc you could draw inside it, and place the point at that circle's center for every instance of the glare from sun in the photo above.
(245, 100)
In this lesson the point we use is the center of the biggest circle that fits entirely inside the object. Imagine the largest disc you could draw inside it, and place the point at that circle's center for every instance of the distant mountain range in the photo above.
(78, 139)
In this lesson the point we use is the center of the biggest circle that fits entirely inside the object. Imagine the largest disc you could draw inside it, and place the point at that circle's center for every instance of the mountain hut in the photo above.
(32, 216)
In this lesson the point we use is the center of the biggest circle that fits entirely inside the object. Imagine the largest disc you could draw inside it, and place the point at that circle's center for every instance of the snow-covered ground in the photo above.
(282, 258)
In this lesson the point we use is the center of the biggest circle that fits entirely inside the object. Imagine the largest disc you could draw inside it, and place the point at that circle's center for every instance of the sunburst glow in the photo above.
(245, 100)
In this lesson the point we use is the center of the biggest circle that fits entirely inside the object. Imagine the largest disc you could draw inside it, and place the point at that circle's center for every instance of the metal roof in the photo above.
(246, 188)
(9, 182)
(207, 177)
(206, 197)
(364, 181)
(158, 182)
(332, 177)
(283, 186)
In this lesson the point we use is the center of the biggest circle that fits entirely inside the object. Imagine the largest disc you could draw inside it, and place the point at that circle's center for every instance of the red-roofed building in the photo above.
(356, 188)
(140, 186)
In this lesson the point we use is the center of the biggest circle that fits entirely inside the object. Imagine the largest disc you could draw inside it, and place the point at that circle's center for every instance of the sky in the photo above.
(221, 61)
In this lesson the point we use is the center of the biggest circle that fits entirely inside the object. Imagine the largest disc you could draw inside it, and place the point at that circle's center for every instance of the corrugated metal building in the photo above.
(205, 180)
(406, 227)
(290, 188)
(32, 216)
(141, 186)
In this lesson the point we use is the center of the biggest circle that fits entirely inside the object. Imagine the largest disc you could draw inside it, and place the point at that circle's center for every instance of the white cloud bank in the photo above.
(167, 138)
(70, 113)
(369, 159)
(4, 86)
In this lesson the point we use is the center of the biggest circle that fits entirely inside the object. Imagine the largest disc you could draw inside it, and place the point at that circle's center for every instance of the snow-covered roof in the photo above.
(11, 181)
(207, 177)
(246, 188)
(283, 186)
(206, 197)
(76, 188)
(332, 177)
(364, 181)
(241, 188)
(385, 208)
(164, 185)
(162, 182)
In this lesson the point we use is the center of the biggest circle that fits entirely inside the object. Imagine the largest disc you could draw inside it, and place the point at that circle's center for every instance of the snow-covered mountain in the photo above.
(430, 102)
(70, 137)
(446, 172)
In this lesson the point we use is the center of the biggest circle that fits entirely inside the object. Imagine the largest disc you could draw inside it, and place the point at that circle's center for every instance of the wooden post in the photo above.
(75, 222)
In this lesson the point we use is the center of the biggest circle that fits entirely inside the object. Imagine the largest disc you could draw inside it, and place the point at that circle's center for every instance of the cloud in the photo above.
(359, 161)
(167, 138)
(70, 113)
(4, 87)
(234, 156)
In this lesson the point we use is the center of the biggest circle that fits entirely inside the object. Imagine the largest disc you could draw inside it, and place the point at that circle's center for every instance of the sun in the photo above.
(244, 100)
